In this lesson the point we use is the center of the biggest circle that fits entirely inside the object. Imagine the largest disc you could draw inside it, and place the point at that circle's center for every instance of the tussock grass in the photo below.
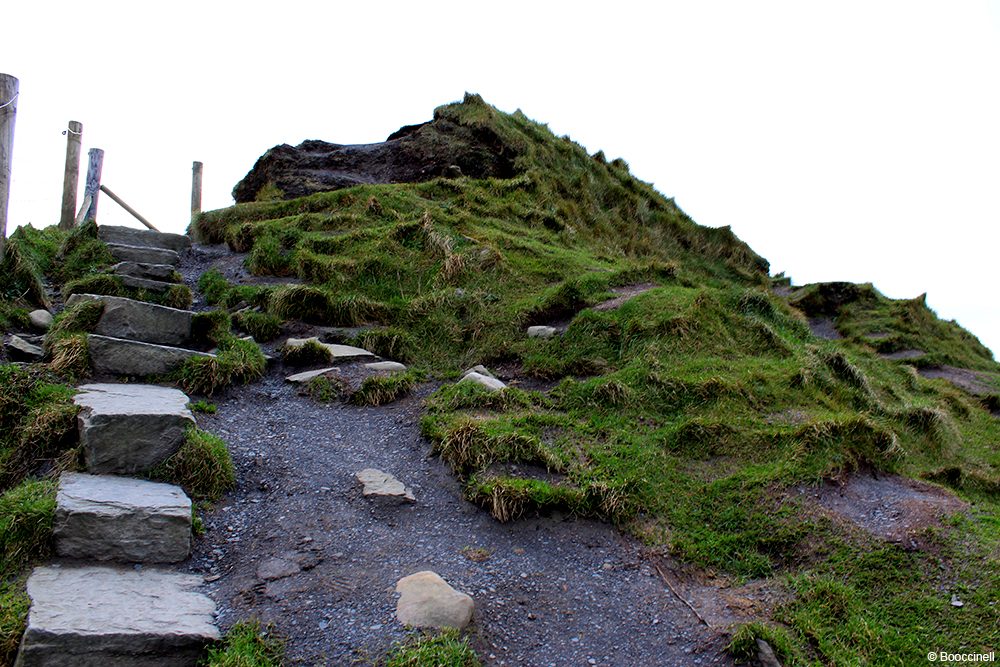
(26, 515)
(202, 466)
(383, 389)
(445, 649)
(238, 361)
(388, 342)
(309, 353)
(264, 327)
(14, 605)
(248, 644)
(70, 356)
(210, 327)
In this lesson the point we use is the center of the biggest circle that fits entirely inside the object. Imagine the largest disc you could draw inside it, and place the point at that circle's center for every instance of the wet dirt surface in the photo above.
(297, 545)
(974, 382)
(823, 327)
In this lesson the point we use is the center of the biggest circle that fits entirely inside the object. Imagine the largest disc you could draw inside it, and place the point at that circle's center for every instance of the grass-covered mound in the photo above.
(691, 415)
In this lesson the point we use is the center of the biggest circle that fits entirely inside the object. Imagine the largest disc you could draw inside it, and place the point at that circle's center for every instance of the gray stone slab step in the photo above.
(139, 320)
(143, 238)
(105, 517)
(129, 428)
(157, 286)
(118, 356)
(133, 253)
(164, 272)
(337, 352)
(98, 616)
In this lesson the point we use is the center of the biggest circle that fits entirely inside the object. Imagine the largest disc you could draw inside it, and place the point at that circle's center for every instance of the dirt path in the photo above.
(297, 545)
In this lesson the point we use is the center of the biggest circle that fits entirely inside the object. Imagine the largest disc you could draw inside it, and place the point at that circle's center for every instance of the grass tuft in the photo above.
(26, 515)
(247, 644)
(383, 389)
(441, 649)
(310, 353)
(202, 466)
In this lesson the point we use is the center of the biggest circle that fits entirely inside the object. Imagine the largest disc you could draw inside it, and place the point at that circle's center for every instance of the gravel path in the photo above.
(297, 545)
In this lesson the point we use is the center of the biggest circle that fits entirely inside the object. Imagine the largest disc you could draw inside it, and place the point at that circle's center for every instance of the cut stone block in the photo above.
(143, 238)
(98, 616)
(306, 376)
(132, 253)
(386, 366)
(138, 320)
(128, 428)
(103, 517)
(380, 484)
(337, 352)
(117, 356)
(427, 601)
(490, 383)
(157, 286)
(164, 272)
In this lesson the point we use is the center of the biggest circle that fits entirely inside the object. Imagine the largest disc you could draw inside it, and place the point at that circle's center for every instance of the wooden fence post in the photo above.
(71, 177)
(196, 189)
(93, 188)
(8, 110)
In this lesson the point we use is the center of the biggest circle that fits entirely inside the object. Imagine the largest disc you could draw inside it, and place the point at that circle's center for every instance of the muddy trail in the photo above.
(297, 545)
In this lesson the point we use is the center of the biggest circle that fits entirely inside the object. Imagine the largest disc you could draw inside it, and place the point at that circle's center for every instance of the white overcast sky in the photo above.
(846, 140)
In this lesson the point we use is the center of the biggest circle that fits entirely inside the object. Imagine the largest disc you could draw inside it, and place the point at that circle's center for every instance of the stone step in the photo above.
(157, 286)
(104, 517)
(119, 356)
(98, 616)
(337, 352)
(139, 320)
(164, 272)
(145, 238)
(130, 428)
(143, 255)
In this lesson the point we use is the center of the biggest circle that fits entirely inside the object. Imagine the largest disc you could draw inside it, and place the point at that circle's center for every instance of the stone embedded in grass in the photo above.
(337, 352)
(307, 376)
(128, 428)
(490, 383)
(97, 615)
(479, 368)
(103, 517)
(427, 601)
(156, 286)
(164, 272)
(21, 350)
(143, 255)
(139, 320)
(143, 238)
(118, 356)
(386, 366)
(383, 485)
(40, 319)
(542, 332)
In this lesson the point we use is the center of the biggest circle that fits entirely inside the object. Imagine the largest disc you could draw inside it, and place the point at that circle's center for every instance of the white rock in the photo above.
(382, 484)
(489, 383)
(337, 352)
(40, 319)
(306, 376)
(386, 366)
(427, 601)
(479, 368)
(116, 617)
(541, 332)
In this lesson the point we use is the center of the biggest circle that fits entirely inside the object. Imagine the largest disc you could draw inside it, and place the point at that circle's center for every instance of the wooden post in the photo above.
(196, 189)
(95, 164)
(71, 177)
(118, 200)
(8, 110)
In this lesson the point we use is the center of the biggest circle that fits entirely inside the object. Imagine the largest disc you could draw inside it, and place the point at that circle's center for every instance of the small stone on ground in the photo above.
(541, 332)
(427, 601)
(21, 350)
(490, 383)
(306, 376)
(386, 366)
(40, 319)
(382, 484)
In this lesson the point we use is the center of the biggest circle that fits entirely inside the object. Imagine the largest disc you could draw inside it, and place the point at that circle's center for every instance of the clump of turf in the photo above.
(310, 353)
(383, 389)
(202, 466)
(14, 604)
(238, 361)
(248, 644)
(26, 515)
(442, 648)
(264, 327)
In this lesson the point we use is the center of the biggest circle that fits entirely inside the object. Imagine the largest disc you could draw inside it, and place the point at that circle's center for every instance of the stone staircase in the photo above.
(108, 601)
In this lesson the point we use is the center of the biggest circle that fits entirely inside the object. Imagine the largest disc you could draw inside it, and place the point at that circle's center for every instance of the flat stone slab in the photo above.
(117, 356)
(489, 383)
(143, 238)
(157, 286)
(306, 376)
(164, 272)
(138, 320)
(337, 352)
(129, 428)
(427, 601)
(104, 517)
(98, 616)
(144, 255)
(386, 366)
(21, 350)
(380, 484)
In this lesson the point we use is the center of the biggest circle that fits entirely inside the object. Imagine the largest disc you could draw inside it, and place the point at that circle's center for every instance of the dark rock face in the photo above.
(412, 154)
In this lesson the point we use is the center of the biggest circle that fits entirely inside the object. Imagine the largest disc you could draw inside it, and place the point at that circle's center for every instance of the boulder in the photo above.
(337, 352)
(143, 255)
(117, 356)
(19, 349)
(306, 376)
(143, 238)
(542, 332)
(378, 484)
(138, 320)
(103, 517)
(490, 383)
(40, 319)
(129, 428)
(413, 154)
(164, 272)
(479, 368)
(98, 616)
(386, 366)
(427, 601)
